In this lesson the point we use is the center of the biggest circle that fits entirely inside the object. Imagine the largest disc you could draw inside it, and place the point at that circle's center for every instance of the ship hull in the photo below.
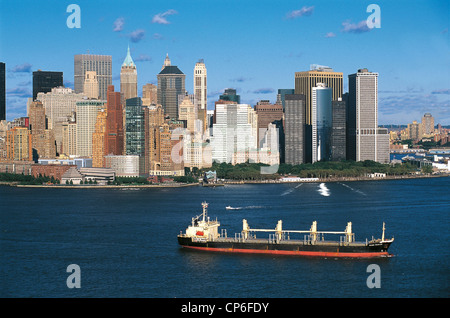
(299, 248)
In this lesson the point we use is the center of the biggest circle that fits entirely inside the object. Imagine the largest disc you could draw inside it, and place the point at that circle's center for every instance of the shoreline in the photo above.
(184, 185)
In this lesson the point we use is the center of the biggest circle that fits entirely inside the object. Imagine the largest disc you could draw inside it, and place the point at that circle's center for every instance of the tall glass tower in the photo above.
(322, 122)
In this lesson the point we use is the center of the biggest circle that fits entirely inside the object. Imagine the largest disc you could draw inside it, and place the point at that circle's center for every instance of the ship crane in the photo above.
(349, 236)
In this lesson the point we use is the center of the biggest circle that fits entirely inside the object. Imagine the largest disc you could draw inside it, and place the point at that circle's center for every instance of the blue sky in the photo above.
(253, 46)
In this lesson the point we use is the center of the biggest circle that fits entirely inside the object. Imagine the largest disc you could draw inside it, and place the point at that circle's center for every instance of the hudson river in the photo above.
(125, 240)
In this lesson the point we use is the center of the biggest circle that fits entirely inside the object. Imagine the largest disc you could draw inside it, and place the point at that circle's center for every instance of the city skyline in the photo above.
(254, 49)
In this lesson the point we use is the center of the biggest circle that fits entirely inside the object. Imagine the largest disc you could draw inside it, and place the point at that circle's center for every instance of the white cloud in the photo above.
(160, 18)
(305, 11)
(118, 24)
(359, 27)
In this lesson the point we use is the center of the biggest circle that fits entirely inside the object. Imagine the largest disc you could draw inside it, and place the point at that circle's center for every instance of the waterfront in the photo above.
(124, 240)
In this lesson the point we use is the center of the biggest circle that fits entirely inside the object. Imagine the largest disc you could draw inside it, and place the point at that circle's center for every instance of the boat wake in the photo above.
(323, 190)
(288, 191)
(244, 207)
(349, 187)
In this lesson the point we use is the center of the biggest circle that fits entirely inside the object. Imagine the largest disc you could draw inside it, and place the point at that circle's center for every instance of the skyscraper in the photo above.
(267, 113)
(171, 83)
(135, 130)
(43, 140)
(234, 133)
(200, 91)
(230, 95)
(294, 133)
(321, 122)
(338, 134)
(59, 104)
(2, 91)
(91, 85)
(87, 111)
(114, 123)
(149, 94)
(305, 81)
(98, 140)
(365, 141)
(19, 144)
(128, 78)
(101, 64)
(427, 124)
(44, 81)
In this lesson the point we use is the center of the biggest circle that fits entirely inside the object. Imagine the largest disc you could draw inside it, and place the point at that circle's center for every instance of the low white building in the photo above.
(124, 166)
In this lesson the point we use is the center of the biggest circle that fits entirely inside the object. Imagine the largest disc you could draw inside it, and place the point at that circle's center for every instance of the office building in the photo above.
(283, 92)
(19, 144)
(171, 83)
(59, 105)
(427, 125)
(230, 95)
(200, 91)
(294, 130)
(135, 130)
(44, 81)
(87, 111)
(69, 139)
(305, 81)
(149, 94)
(101, 64)
(43, 140)
(99, 140)
(267, 114)
(114, 144)
(365, 141)
(321, 123)
(338, 134)
(2, 91)
(91, 85)
(234, 133)
(128, 78)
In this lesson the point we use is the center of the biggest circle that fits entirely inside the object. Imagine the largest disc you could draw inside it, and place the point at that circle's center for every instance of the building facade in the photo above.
(2, 91)
(294, 133)
(128, 78)
(101, 64)
(44, 81)
(171, 83)
(87, 111)
(338, 134)
(19, 144)
(200, 92)
(99, 140)
(91, 85)
(321, 122)
(114, 144)
(365, 141)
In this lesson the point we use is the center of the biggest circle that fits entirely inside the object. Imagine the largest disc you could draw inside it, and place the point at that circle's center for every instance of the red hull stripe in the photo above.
(277, 252)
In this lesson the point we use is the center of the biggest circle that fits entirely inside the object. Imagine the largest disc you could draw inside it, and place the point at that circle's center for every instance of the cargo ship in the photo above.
(203, 234)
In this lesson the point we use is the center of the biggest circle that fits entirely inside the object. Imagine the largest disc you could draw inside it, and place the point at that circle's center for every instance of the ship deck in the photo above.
(287, 241)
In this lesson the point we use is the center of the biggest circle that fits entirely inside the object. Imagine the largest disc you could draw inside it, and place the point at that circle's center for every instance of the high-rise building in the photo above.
(171, 83)
(59, 105)
(200, 91)
(128, 78)
(101, 64)
(44, 81)
(365, 141)
(98, 140)
(114, 143)
(135, 130)
(87, 111)
(338, 134)
(91, 85)
(283, 92)
(234, 133)
(427, 124)
(230, 95)
(414, 130)
(294, 130)
(187, 111)
(267, 114)
(321, 123)
(43, 140)
(69, 141)
(305, 81)
(19, 144)
(2, 91)
(149, 94)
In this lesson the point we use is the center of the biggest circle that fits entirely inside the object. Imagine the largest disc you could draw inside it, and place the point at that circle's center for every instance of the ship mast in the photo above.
(205, 206)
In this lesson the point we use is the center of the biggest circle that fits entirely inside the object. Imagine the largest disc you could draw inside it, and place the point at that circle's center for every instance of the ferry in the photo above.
(203, 234)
